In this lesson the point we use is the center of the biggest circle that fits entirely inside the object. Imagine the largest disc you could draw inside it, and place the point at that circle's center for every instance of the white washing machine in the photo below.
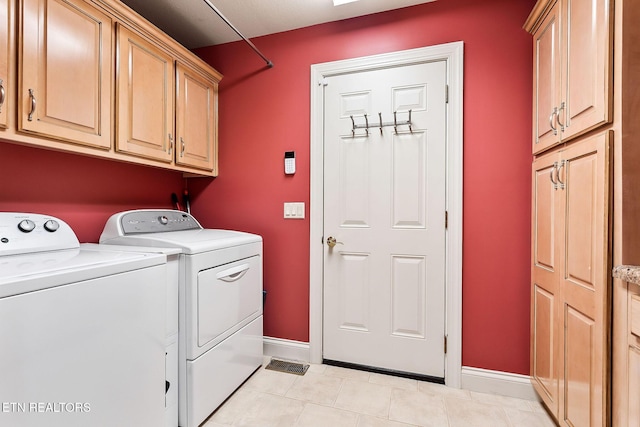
(81, 330)
(220, 302)
(171, 327)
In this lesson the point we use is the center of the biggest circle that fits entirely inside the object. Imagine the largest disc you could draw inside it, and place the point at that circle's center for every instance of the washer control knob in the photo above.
(163, 220)
(51, 225)
(26, 226)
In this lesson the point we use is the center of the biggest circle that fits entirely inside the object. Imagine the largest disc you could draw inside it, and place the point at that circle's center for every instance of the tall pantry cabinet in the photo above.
(570, 292)
(571, 190)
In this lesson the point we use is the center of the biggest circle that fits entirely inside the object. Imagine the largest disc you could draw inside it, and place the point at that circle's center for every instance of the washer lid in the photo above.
(30, 272)
(190, 241)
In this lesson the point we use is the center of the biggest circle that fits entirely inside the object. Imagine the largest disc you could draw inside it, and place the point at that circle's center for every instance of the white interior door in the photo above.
(384, 203)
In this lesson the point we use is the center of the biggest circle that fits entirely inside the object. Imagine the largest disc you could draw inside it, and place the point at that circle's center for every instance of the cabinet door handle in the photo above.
(554, 113)
(560, 167)
(33, 105)
(553, 169)
(2, 94)
(558, 116)
(181, 147)
(170, 144)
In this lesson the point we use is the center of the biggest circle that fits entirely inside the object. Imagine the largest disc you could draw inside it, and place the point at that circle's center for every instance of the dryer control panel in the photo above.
(154, 221)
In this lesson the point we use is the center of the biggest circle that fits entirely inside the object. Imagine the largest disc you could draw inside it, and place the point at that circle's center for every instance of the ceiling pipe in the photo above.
(208, 2)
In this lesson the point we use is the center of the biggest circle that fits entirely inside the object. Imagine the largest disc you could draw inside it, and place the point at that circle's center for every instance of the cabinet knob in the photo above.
(170, 144)
(181, 147)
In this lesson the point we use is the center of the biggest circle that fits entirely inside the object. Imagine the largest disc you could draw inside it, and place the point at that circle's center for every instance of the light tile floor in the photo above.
(328, 396)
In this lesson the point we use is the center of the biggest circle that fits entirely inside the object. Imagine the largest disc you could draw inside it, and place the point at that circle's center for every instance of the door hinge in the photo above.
(445, 344)
(446, 94)
(323, 82)
(446, 220)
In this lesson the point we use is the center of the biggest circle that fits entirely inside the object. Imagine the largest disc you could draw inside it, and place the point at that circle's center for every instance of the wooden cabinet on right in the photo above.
(570, 301)
(572, 78)
(585, 327)
(626, 392)
(633, 349)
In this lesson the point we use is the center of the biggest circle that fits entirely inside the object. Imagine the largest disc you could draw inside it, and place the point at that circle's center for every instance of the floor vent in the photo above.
(288, 367)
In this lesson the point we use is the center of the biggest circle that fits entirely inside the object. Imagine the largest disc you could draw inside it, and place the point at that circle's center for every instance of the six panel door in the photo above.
(384, 192)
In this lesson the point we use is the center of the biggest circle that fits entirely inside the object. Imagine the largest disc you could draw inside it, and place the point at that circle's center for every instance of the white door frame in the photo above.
(453, 54)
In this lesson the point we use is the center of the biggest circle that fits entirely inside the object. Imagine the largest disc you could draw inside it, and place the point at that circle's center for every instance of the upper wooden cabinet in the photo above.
(6, 23)
(95, 78)
(546, 80)
(570, 301)
(66, 72)
(572, 69)
(148, 81)
(196, 119)
(145, 82)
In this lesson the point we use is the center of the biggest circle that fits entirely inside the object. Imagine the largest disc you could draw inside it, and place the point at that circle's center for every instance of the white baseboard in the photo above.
(286, 349)
(497, 382)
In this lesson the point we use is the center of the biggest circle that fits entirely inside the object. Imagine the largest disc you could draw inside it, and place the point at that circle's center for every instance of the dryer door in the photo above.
(229, 297)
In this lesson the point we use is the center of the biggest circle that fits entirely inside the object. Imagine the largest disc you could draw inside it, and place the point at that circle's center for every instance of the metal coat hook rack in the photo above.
(395, 123)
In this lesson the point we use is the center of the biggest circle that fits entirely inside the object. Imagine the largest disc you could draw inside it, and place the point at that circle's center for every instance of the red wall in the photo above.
(264, 112)
(81, 191)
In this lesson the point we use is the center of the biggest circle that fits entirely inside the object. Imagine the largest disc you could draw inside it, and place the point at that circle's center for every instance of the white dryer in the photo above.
(220, 302)
(81, 331)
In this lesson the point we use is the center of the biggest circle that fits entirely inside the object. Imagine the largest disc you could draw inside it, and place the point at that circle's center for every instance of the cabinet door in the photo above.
(196, 127)
(546, 81)
(66, 70)
(6, 19)
(145, 86)
(586, 67)
(584, 282)
(545, 329)
(633, 394)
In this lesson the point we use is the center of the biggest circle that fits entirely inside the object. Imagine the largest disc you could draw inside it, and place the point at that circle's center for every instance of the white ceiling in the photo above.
(194, 24)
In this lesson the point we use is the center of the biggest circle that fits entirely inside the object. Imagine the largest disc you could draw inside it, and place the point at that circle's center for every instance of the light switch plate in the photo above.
(294, 210)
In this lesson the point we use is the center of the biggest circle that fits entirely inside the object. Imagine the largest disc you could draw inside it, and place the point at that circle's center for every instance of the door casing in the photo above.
(452, 53)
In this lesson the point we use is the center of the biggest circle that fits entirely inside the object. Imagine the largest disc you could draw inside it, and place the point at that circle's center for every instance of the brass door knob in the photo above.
(331, 242)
